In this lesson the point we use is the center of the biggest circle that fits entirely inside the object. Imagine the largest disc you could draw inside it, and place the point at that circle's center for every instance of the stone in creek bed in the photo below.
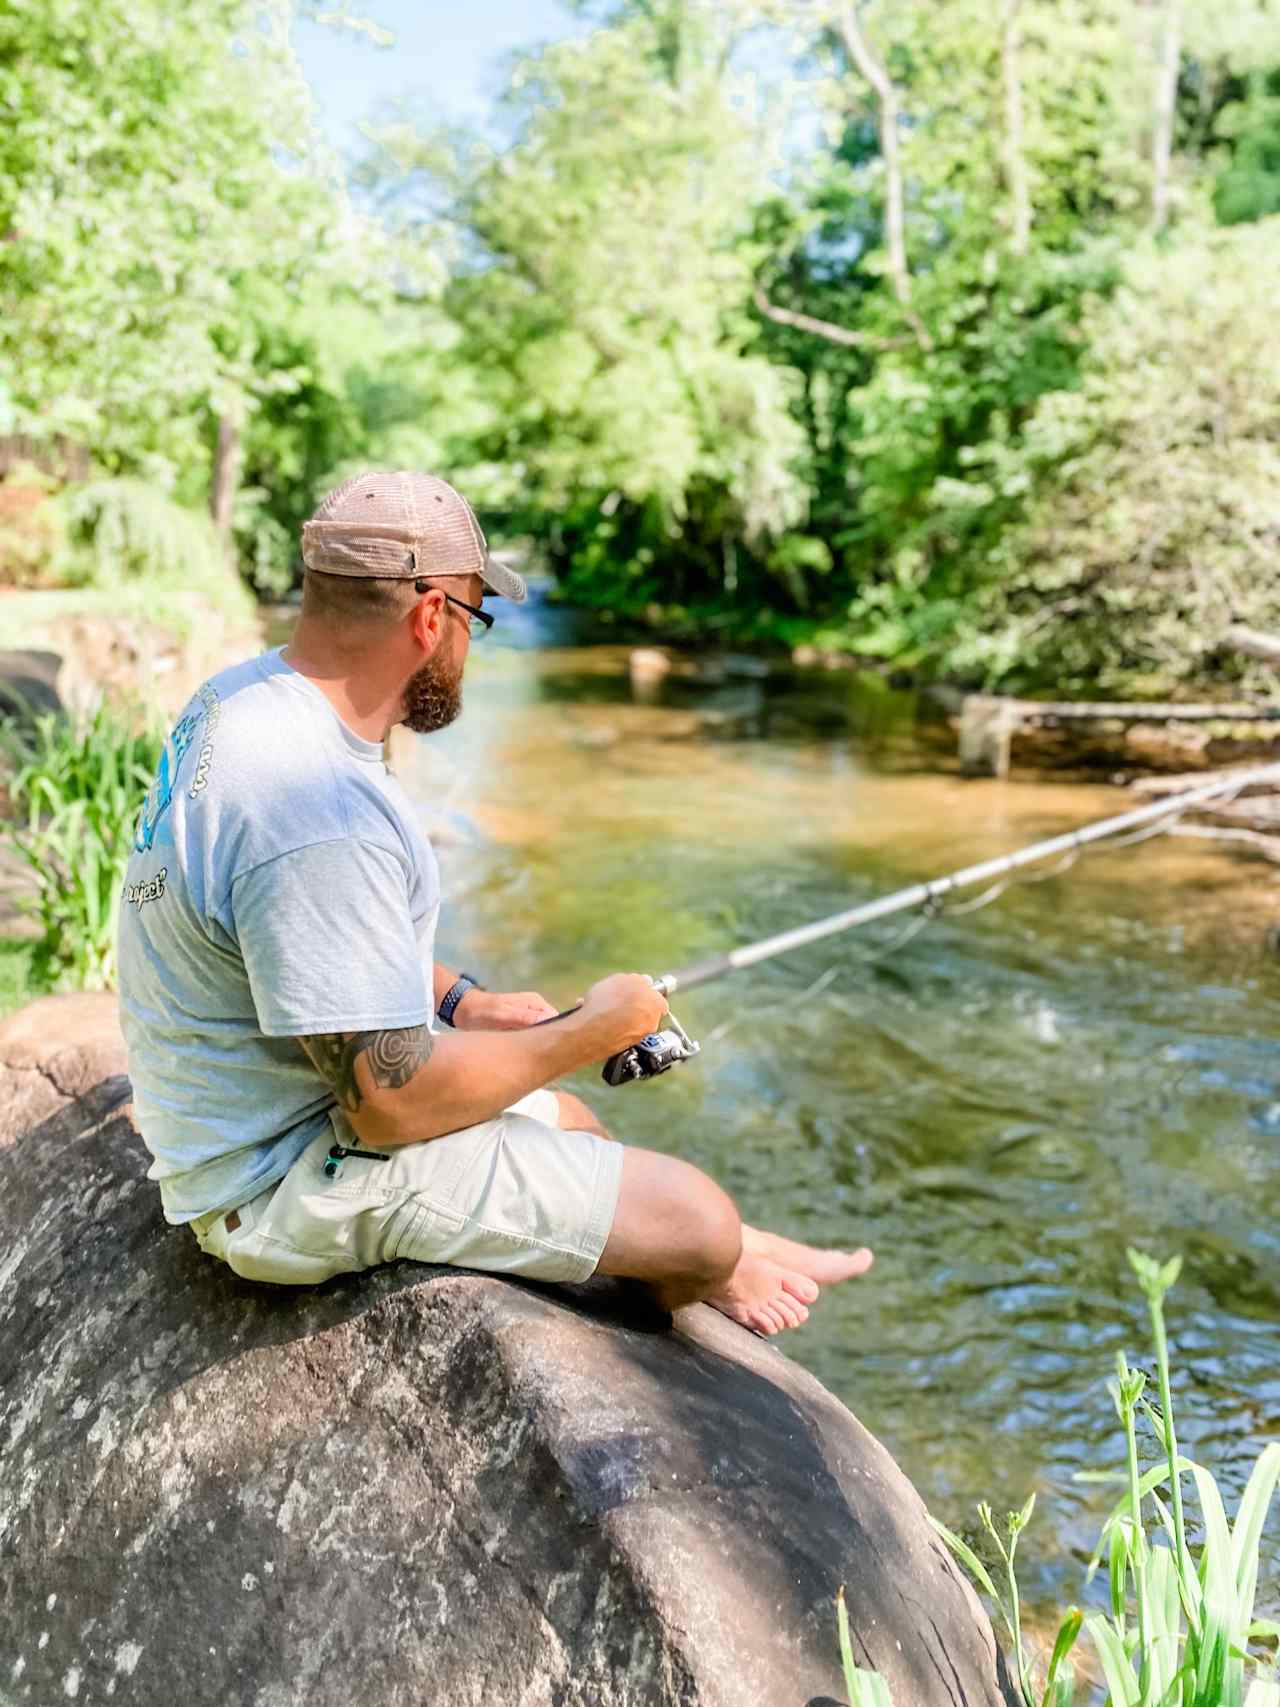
(416, 1485)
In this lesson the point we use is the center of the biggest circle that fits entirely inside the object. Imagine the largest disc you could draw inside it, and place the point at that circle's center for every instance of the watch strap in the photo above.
(454, 994)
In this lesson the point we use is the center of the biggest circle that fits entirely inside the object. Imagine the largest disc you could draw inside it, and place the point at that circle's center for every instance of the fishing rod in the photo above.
(662, 1050)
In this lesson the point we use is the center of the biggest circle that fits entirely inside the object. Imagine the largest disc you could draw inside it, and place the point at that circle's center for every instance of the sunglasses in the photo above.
(485, 619)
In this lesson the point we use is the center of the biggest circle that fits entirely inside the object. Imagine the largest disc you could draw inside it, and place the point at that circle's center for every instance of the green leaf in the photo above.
(968, 1558)
(1246, 1535)
(1154, 1478)
(1116, 1668)
(1068, 1631)
(865, 1688)
(1119, 1572)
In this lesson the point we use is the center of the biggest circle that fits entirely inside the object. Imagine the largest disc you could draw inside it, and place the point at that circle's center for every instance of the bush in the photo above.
(130, 533)
(1156, 519)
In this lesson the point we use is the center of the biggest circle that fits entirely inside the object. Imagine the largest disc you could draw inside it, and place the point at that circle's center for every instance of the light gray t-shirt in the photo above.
(278, 887)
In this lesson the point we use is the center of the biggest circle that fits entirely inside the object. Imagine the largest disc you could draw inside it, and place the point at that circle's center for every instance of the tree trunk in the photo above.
(1015, 165)
(1166, 101)
(864, 57)
(226, 477)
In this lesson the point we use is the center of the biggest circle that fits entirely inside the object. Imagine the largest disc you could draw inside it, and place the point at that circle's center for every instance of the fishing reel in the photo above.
(657, 1053)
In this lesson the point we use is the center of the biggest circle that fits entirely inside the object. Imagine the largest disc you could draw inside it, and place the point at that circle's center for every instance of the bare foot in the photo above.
(777, 1279)
(828, 1268)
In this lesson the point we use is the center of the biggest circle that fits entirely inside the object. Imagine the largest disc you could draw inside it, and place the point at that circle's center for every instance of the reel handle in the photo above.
(657, 1053)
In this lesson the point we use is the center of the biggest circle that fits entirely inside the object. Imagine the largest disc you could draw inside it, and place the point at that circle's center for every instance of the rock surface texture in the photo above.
(87, 651)
(414, 1486)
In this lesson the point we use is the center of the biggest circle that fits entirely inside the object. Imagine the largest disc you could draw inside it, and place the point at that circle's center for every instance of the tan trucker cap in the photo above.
(403, 526)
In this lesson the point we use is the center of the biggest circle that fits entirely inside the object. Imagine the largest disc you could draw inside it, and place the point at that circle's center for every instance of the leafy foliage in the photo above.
(164, 208)
(76, 790)
(665, 333)
(602, 305)
(1154, 522)
(123, 531)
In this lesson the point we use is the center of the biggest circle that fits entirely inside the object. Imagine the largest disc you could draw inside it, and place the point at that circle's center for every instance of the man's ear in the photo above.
(426, 623)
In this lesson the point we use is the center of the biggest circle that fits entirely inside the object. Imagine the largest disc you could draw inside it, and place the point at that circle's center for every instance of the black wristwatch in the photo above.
(454, 994)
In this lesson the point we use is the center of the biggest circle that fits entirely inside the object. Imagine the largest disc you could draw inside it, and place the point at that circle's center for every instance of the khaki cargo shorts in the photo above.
(513, 1195)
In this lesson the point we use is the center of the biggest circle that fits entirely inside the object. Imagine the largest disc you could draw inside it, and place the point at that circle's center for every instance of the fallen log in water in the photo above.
(988, 722)
(1250, 820)
(1174, 783)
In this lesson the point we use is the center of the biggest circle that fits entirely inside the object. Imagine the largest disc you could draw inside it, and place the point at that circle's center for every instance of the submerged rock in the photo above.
(418, 1485)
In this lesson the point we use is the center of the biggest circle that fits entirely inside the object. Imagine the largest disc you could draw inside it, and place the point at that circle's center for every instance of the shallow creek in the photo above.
(997, 1108)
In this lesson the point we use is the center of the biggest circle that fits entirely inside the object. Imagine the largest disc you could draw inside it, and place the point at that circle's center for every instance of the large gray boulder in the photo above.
(28, 685)
(414, 1486)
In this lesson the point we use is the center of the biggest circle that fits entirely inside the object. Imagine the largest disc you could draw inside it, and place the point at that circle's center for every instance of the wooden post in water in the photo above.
(986, 735)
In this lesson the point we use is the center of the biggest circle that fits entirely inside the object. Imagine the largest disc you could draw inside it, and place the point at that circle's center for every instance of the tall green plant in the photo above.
(76, 790)
(1181, 1621)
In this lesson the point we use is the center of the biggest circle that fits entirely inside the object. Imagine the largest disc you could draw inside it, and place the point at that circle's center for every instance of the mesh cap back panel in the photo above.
(402, 525)
(398, 524)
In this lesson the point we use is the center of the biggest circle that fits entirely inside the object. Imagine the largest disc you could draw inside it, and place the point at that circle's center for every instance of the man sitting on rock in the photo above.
(318, 1092)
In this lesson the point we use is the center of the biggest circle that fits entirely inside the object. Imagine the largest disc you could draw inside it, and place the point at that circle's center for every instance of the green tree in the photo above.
(1153, 523)
(601, 289)
(160, 185)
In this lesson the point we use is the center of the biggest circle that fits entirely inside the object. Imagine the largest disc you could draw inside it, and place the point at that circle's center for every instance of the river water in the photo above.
(998, 1108)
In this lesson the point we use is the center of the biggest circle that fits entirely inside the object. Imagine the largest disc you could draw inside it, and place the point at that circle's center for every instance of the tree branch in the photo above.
(864, 57)
(1015, 165)
(824, 328)
(1253, 643)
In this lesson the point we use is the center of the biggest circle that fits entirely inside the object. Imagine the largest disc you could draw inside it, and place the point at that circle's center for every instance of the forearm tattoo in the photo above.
(392, 1057)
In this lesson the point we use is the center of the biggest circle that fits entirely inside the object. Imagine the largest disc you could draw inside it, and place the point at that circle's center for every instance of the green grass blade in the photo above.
(1164, 1611)
(865, 1688)
(1121, 1683)
(968, 1558)
(1155, 1478)
(846, 1645)
(1246, 1535)
(1215, 1667)
(1187, 1578)
(1062, 1693)
(1068, 1631)
(1119, 1572)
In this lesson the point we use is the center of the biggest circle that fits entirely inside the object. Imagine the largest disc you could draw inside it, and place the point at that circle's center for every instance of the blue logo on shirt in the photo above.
(160, 794)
